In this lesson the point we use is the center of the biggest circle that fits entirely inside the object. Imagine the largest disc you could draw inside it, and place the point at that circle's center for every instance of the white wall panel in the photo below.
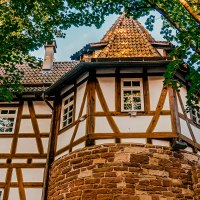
(184, 129)
(26, 126)
(45, 142)
(79, 99)
(155, 88)
(108, 141)
(81, 130)
(27, 145)
(164, 124)
(44, 125)
(25, 110)
(79, 146)
(64, 138)
(19, 160)
(102, 125)
(33, 174)
(108, 88)
(3, 160)
(3, 175)
(131, 70)
(160, 142)
(196, 132)
(134, 140)
(98, 104)
(14, 194)
(5, 145)
(128, 124)
(33, 193)
(14, 176)
(38, 160)
(41, 107)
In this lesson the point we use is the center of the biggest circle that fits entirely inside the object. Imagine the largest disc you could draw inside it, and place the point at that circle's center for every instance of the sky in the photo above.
(77, 37)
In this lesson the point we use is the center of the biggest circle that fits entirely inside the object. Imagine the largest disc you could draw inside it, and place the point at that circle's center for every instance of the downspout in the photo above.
(51, 143)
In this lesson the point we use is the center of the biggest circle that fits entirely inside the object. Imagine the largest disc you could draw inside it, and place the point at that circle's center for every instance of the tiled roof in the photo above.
(128, 38)
(38, 80)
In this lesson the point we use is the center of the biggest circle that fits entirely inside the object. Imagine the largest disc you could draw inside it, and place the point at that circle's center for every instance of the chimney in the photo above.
(50, 49)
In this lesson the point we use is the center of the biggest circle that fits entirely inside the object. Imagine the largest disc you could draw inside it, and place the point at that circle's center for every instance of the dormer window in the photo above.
(68, 108)
(7, 120)
(196, 116)
(132, 95)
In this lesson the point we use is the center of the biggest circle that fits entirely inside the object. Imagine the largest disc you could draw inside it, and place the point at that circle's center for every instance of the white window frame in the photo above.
(124, 88)
(195, 116)
(4, 116)
(67, 106)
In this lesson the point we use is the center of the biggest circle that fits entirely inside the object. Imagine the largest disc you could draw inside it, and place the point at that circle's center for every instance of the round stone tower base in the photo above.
(125, 172)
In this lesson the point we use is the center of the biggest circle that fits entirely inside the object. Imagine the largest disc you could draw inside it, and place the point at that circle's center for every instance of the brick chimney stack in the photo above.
(50, 49)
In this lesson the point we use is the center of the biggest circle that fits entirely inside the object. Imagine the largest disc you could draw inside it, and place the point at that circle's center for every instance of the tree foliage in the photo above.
(27, 24)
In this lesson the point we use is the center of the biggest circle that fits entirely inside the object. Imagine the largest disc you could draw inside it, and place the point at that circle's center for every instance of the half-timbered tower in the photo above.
(101, 127)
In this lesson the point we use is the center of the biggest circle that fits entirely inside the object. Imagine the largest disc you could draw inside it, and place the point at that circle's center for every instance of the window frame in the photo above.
(7, 115)
(66, 106)
(140, 88)
(193, 116)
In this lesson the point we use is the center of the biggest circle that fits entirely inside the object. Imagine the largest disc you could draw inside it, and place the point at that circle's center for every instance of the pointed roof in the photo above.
(128, 38)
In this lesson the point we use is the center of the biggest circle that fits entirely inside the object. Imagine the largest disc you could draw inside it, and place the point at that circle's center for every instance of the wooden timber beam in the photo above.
(22, 194)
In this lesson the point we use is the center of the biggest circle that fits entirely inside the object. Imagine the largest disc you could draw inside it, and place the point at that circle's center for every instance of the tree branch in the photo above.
(190, 10)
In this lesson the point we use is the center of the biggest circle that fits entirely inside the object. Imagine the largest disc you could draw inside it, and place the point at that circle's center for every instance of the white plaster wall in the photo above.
(3, 160)
(184, 129)
(45, 142)
(41, 107)
(32, 174)
(19, 160)
(38, 160)
(26, 145)
(14, 194)
(81, 130)
(33, 193)
(3, 175)
(106, 141)
(62, 154)
(64, 138)
(161, 142)
(196, 132)
(155, 88)
(183, 93)
(108, 88)
(105, 71)
(79, 99)
(25, 110)
(102, 125)
(134, 140)
(131, 70)
(98, 104)
(5, 145)
(14, 176)
(44, 125)
(81, 145)
(26, 126)
(164, 124)
(128, 124)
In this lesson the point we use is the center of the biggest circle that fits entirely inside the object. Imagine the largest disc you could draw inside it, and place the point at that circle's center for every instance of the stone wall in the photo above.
(125, 172)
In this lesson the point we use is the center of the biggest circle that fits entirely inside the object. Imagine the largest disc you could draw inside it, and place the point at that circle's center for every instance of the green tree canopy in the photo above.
(27, 25)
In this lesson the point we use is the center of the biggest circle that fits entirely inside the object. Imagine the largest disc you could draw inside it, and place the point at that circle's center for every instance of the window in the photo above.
(196, 116)
(7, 120)
(132, 95)
(68, 108)
(1, 193)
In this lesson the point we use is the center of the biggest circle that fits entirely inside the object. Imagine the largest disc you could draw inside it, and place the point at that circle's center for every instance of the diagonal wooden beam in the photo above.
(35, 127)
(7, 185)
(186, 119)
(159, 108)
(20, 184)
(104, 105)
(175, 121)
(79, 116)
